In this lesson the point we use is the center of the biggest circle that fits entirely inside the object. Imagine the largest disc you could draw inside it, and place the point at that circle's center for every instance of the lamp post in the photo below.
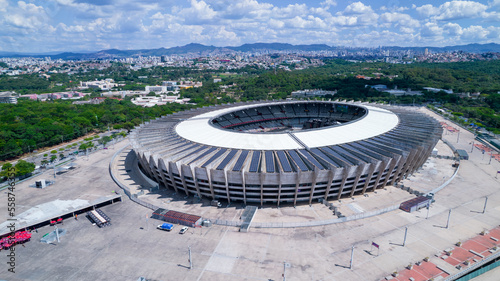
(448, 222)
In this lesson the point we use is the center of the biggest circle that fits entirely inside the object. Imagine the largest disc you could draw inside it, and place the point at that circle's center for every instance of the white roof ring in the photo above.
(198, 129)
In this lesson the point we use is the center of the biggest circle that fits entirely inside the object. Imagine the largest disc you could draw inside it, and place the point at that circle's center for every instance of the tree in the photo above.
(53, 158)
(61, 156)
(6, 166)
(24, 168)
(6, 170)
(104, 140)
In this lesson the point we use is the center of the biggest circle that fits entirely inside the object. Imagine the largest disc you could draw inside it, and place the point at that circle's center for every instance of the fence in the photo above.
(454, 174)
(308, 223)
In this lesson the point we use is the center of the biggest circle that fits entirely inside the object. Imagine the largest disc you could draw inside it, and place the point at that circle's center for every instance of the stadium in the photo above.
(286, 152)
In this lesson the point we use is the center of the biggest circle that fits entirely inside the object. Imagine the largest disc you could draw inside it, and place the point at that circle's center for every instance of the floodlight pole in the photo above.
(485, 202)
(284, 271)
(406, 232)
(57, 233)
(352, 257)
(448, 222)
(190, 260)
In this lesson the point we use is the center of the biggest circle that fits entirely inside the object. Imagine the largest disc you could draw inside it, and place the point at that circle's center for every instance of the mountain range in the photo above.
(200, 49)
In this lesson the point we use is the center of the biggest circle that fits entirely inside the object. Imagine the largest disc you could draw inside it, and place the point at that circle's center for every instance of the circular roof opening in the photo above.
(288, 117)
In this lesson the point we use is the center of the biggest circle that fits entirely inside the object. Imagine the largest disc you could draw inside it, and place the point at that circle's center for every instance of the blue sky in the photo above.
(90, 25)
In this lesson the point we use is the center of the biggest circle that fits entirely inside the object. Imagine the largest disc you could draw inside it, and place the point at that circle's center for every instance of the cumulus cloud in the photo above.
(453, 10)
(309, 22)
(358, 8)
(328, 3)
(199, 12)
(453, 29)
(475, 32)
(355, 14)
(247, 9)
(461, 9)
(26, 16)
(399, 19)
(394, 8)
(431, 29)
(290, 11)
(427, 10)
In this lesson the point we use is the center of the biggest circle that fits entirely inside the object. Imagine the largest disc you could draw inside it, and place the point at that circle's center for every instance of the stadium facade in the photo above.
(284, 152)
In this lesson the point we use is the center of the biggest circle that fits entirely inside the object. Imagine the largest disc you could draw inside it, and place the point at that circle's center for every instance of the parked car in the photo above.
(183, 230)
(165, 226)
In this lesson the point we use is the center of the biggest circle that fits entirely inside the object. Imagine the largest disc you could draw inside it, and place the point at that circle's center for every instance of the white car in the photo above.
(183, 230)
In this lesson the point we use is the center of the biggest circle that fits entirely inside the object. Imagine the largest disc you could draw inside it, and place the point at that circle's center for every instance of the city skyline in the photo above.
(88, 25)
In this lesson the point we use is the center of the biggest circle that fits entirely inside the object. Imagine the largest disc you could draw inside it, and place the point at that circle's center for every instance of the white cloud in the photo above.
(355, 14)
(453, 10)
(276, 24)
(357, 8)
(26, 16)
(399, 19)
(290, 11)
(494, 32)
(452, 29)
(199, 12)
(427, 10)
(394, 9)
(247, 9)
(310, 22)
(431, 29)
(219, 35)
(344, 21)
(461, 9)
(475, 32)
(328, 3)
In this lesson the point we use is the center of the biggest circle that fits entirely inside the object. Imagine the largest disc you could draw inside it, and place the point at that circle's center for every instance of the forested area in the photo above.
(466, 77)
(31, 125)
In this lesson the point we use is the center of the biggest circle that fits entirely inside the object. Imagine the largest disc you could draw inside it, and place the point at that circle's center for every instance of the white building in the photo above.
(312, 93)
(156, 89)
(148, 101)
(103, 85)
(7, 97)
